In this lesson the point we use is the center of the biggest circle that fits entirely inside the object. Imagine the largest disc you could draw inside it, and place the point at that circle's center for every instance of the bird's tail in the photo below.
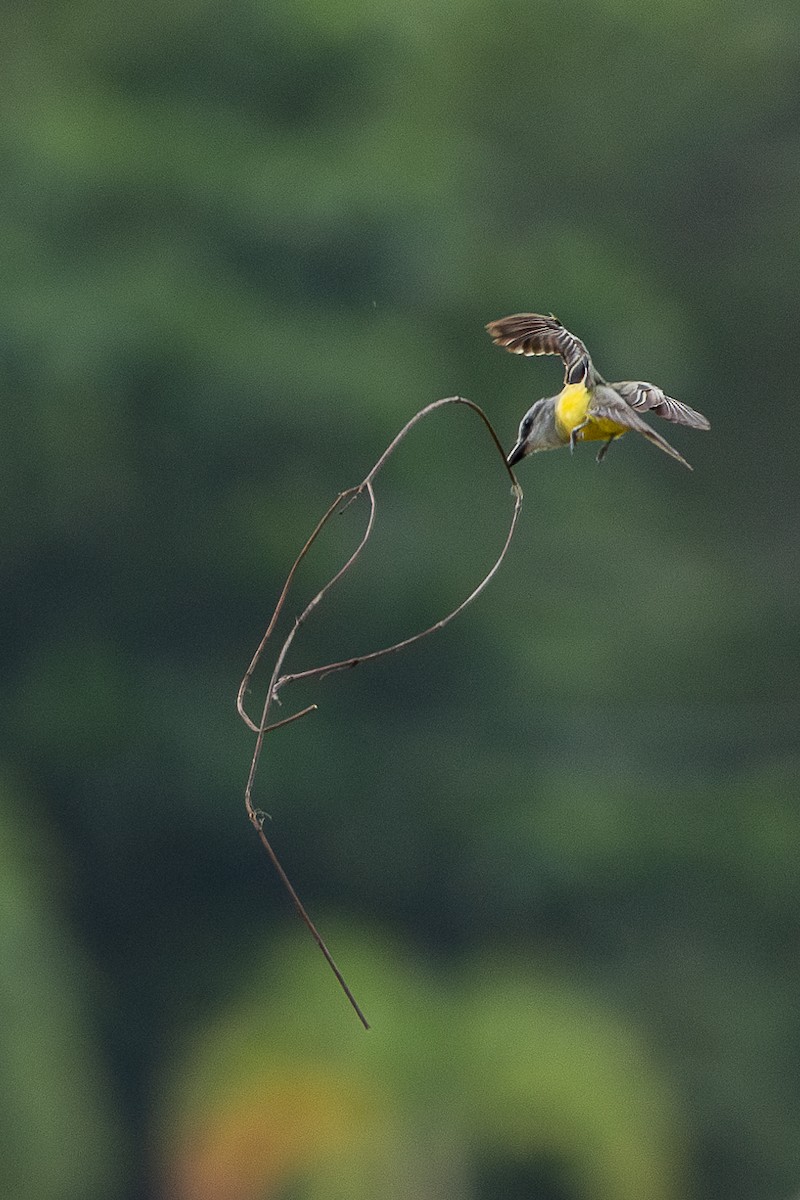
(657, 440)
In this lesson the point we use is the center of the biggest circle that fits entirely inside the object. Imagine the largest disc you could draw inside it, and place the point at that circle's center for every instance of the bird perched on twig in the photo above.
(587, 409)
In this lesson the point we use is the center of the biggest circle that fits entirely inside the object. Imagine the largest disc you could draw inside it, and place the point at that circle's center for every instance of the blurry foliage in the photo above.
(59, 1139)
(240, 245)
(491, 1060)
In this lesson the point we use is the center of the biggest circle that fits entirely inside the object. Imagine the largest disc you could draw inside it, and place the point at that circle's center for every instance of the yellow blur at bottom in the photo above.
(284, 1094)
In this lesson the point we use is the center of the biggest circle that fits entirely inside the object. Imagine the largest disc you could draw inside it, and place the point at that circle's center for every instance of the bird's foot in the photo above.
(573, 437)
(601, 453)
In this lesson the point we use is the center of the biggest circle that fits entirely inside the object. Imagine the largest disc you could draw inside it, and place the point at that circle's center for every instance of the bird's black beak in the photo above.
(516, 454)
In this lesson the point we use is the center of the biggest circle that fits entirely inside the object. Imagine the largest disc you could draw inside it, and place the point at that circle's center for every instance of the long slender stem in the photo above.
(310, 926)
(278, 680)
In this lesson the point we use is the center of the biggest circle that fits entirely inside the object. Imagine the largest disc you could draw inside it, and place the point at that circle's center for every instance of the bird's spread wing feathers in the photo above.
(607, 404)
(530, 333)
(646, 397)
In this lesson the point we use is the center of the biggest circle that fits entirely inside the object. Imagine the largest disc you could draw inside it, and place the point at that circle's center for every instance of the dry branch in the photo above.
(278, 680)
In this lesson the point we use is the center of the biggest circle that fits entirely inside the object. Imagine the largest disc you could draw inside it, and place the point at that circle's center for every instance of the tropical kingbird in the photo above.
(587, 409)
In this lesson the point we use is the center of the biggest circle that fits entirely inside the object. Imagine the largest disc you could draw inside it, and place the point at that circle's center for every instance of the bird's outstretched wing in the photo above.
(608, 404)
(530, 333)
(646, 397)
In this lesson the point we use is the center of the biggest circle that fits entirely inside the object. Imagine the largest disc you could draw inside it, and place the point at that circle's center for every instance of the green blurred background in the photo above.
(555, 849)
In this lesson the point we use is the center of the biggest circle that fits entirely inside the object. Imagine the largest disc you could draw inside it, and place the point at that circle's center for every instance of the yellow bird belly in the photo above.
(571, 410)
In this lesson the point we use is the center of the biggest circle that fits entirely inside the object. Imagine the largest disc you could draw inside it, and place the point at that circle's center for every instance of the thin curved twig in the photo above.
(350, 494)
(278, 681)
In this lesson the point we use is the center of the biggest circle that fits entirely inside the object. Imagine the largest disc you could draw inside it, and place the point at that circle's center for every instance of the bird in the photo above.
(587, 409)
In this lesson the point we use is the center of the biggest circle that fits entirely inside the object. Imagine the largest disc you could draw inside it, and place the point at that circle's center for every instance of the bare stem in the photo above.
(278, 680)
(309, 924)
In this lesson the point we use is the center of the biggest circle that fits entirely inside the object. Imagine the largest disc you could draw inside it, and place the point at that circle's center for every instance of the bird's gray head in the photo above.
(537, 431)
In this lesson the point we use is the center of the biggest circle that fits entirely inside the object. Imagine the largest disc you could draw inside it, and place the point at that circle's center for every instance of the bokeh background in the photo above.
(556, 848)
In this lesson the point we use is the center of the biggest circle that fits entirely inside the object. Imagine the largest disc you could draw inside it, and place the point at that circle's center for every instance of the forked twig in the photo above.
(278, 681)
